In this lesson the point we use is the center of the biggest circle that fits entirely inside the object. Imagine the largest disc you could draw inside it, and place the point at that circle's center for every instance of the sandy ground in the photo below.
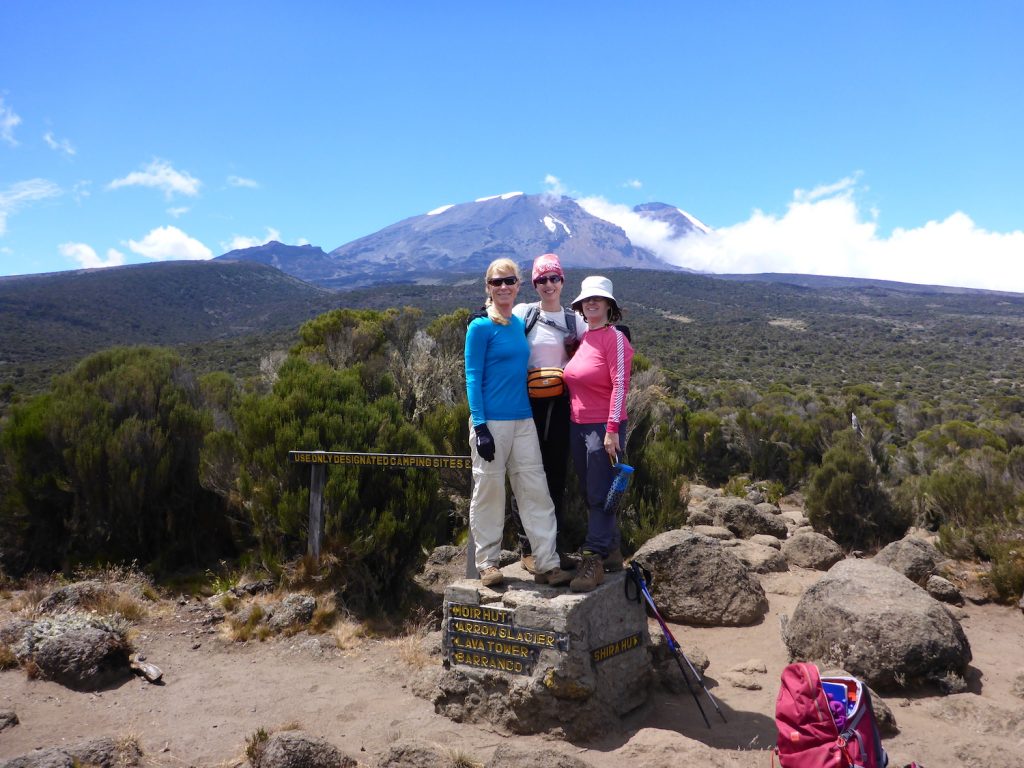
(218, 693)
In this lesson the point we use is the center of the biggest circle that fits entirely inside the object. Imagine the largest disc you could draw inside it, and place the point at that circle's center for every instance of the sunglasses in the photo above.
(553, 279)
(496, 281)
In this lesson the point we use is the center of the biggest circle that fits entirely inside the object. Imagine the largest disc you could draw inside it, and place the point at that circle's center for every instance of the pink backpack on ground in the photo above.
(819, 730)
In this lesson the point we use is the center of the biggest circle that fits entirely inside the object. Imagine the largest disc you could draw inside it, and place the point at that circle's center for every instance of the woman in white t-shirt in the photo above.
(551, 332)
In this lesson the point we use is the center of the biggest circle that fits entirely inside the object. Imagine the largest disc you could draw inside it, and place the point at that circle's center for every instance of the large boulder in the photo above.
(410, 753)
(294, 611)
(758, 557)
(883, 628)
(812, 550)
(298, 749)
(79, 596)
(444, 565)
(912, 556)
(81, 651)
(698, 581)
(8, 719)
(102, 752)
(743, 518)
(943, 590)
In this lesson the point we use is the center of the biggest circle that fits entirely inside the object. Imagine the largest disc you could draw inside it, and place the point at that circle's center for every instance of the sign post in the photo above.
(320, 460)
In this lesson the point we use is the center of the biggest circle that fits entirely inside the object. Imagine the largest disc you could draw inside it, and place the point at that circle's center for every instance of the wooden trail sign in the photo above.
(320, 460)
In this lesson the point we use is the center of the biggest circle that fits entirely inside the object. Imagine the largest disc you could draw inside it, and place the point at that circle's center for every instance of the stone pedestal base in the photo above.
(529, 658)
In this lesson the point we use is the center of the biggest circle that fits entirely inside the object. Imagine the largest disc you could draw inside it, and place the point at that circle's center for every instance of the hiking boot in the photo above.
(556, 577)
(529, 564)
(589, 574)
(614, 561)
(568, 562)
(491, 576)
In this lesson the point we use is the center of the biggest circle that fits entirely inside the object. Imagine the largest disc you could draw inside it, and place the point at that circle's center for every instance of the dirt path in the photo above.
(218, 693)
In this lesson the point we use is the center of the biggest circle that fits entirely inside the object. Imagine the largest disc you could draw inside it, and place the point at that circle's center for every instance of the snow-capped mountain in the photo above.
(464, 238)
(683, 223)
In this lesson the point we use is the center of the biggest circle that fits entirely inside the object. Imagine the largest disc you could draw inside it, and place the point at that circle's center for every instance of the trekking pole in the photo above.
(637, 573)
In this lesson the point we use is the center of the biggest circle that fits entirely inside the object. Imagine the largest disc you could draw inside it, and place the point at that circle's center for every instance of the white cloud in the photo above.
(63, 145)
(633, 184)
(241, 241)
(844, 187)
(240, 181)
(177, 212)
(824, 231)
(21, 193)
(86, 256)
(554, 186)
(160, 175)
(169, 243)
(642, 231)
(8, 122)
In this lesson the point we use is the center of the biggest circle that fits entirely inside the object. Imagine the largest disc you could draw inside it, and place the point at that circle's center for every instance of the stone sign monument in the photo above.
(530, 658)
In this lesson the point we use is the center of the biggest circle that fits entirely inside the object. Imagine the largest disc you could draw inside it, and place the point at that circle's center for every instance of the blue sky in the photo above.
(870, 139)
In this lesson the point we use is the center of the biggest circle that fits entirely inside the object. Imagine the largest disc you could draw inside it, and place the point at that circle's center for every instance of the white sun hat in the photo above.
(592, 286)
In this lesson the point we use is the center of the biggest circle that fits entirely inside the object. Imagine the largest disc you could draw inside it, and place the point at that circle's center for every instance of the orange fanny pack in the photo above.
(545, 382)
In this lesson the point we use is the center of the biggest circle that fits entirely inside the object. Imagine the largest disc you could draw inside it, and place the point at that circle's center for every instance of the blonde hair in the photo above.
(499, 265)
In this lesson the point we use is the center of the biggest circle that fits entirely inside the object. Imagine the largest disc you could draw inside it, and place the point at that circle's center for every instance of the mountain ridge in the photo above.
(464, 238)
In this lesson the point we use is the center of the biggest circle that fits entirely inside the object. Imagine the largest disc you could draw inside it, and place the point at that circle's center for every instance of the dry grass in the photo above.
(7, 658)
(26, 602)
(128, 750)
(348, 634)
(256, 744)
(459, 759)
(324, 615)
(306, 574)
(410, 646)
(243, 628)
(32, 670)
(120, 604)
(411, 651)
(228, 602)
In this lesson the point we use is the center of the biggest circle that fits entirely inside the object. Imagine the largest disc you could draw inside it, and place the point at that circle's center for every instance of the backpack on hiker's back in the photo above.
(825, 722)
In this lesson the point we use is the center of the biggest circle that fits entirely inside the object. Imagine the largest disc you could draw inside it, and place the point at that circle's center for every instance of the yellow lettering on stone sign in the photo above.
(489, 662)
(479, 613)
(614, 649)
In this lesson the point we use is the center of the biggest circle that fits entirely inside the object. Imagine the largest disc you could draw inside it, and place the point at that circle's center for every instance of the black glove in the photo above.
(484, 442)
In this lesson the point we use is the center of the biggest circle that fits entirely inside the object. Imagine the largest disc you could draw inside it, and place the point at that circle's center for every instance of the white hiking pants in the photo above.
(516, 451)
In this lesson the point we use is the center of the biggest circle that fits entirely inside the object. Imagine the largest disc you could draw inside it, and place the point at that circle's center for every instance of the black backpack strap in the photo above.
(482, 312)
(570, 321)
(532, 315)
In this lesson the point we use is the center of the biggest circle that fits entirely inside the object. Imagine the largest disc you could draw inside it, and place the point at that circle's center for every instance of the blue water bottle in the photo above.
(619, 485)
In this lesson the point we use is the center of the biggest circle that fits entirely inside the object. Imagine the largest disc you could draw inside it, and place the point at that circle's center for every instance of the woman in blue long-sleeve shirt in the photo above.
(504, 435)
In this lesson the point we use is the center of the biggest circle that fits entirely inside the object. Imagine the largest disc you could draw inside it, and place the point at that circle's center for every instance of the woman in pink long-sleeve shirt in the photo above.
(598, 380)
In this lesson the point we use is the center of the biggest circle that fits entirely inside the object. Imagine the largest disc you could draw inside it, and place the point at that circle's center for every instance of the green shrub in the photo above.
(847, 501)
(378, 521)
(999, 544)
(977, 487)
(104, 467)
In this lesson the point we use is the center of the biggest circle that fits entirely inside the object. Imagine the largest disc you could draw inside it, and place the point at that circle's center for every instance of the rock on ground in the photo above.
(880, 626)
(698, 581)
